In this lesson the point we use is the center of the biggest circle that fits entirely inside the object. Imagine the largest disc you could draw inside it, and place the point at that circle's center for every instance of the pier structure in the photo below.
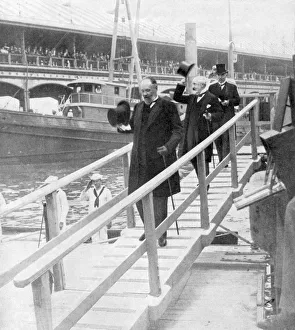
(136, 285)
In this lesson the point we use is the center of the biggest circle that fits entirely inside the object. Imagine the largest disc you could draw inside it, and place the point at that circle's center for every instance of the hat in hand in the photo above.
(185, 68)
(120, 115)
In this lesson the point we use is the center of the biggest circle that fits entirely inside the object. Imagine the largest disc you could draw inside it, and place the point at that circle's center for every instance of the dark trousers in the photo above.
(195, 165)
(222, 145)
(160, 210)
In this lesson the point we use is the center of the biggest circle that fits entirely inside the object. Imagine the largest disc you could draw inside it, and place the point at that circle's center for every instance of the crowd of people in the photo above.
(94, 60)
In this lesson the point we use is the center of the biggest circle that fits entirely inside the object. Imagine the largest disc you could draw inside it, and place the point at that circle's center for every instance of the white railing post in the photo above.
(151, 242)
(203, 190)
(254, 113)
(130, 210)
(53, 231)
(42, 302)
(233, 157)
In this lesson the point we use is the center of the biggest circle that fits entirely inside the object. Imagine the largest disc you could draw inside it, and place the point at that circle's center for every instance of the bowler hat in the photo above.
(184, 68)
(221, 69)
(119, 115)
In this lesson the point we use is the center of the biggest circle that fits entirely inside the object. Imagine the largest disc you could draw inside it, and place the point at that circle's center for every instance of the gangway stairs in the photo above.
(135, 282)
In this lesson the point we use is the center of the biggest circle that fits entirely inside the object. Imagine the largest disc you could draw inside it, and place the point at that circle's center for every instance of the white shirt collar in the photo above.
(154, 101)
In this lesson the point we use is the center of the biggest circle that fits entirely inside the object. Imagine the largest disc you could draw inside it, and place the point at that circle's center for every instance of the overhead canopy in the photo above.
(63, 16)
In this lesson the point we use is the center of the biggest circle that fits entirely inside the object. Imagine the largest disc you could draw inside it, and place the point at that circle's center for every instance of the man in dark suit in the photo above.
(202, 110)
(157, 132)
(228, 96)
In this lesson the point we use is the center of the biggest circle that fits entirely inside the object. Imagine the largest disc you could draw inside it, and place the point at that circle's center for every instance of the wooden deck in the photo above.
(128, 305)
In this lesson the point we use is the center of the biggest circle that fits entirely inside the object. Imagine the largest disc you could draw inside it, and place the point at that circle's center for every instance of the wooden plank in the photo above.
(42, 302)
(281, 104)
(100, 289)
(149, 229)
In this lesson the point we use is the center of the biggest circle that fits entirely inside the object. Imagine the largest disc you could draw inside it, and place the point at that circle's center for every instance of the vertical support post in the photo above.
(191, 51)
(254, 132)
(272, 106)
(151, 239)
(136, 28)
(244, 101)
(133, 42)
(53, 230)
(203, 190)
(233, 157)
(114, 42)
(130, 210)
(230, 45)
(42, 302)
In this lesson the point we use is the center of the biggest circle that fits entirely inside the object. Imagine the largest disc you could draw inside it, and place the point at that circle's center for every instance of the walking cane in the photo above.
(41, 229)
(170, 190)
(208, 127)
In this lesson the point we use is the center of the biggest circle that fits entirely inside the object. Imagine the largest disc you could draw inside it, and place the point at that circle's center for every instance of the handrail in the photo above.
(101, 220)
(42, 192)
(36, 271)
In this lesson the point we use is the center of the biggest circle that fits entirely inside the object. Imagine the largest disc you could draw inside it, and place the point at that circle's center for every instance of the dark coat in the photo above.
(209, 103)
(230, 93)
(163, 129)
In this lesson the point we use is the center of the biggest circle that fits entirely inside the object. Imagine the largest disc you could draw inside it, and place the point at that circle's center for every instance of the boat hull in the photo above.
(36, 138)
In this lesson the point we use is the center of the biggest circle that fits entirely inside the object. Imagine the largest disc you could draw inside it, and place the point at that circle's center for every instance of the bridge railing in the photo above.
(35, 270)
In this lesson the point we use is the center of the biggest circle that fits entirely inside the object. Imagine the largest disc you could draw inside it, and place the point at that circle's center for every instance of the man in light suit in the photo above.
(202, 110)
(228, 96)
(157, 132)
(61, 204)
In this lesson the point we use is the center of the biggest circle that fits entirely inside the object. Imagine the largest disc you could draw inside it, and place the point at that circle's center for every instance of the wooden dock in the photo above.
(127, 304)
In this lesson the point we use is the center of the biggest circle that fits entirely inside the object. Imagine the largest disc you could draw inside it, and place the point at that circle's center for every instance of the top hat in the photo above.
(221, 69)
(184, 68)
(120, 115)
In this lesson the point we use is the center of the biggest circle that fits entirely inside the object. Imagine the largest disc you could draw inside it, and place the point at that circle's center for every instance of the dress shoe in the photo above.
(162, 241)
(89, 240)
(142, 237)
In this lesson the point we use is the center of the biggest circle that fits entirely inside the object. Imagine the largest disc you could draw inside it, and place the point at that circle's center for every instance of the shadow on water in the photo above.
(19, 180)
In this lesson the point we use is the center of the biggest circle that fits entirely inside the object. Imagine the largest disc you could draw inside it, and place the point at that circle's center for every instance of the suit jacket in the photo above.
(230, 93)
(163, 129)
(195, 111)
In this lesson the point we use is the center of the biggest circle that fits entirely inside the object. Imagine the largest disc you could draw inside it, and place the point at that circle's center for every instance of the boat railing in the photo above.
(35, 269)
(103, 65)
(94, 98)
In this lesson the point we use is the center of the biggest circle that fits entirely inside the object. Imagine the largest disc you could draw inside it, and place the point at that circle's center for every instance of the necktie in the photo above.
(96, 201)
